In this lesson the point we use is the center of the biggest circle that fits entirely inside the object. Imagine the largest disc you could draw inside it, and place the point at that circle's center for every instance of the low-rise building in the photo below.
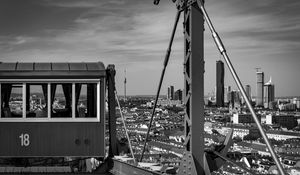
(286, 121)
(244, 118)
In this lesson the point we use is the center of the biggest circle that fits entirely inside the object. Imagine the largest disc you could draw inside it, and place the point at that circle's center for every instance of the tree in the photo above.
(250, 137)
(215, 131)
(237, 139)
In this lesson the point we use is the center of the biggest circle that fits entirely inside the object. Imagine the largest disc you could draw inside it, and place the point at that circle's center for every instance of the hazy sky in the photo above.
(134, 34)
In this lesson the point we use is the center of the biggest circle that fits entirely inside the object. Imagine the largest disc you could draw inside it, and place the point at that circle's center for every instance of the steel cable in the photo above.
(124, 125)
(222, 50)
(161, 79)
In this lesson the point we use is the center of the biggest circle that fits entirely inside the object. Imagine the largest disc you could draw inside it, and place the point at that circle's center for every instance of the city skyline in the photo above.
(134, 35)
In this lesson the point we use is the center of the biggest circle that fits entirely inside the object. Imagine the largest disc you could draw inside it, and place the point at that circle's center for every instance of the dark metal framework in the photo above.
(196, 159)
(194, 84)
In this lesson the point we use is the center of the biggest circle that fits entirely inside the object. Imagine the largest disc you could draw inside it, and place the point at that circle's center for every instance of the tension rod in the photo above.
(161, 79)
(222, 50)
(125, 128)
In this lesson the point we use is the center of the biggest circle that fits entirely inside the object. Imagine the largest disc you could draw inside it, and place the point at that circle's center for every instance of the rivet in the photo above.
(77, 142)
(86, 141)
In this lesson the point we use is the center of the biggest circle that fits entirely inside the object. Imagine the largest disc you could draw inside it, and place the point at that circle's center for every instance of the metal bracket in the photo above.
(183, 4)
(214, 162)
(187, 165)
(180, 4)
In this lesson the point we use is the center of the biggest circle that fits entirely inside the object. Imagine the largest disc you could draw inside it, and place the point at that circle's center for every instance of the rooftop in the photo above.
(51, 70)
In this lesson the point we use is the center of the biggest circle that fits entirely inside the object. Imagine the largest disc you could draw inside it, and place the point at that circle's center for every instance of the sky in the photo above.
(134, 34)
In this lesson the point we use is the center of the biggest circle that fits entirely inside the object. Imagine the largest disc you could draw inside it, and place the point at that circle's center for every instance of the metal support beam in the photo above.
(194, 84)
(110, 71)
(222, 50)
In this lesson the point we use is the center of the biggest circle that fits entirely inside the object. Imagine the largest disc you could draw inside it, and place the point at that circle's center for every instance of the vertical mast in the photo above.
(194, 84)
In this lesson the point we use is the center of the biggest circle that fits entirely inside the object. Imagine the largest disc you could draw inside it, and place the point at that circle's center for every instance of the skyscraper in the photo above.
(220, 84)
(178, 95)
(269, 93)
(248, 92)
(170, 93)
(227, 91)
(259, 89)
(125, 81)
(235, 100)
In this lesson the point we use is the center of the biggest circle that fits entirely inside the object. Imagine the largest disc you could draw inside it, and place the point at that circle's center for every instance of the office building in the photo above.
(178, 95)
(248, 92)
(170, 93)
(269, 93)
(285, 121)
(287, 107)
(227, 91)
(259, 89)
(220, 84)
(244, 118)
(296, 101)
(235, 102)
(233, 97)
(237, 98)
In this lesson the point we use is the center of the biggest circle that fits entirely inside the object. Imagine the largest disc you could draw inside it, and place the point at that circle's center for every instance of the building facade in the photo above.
(244, 118)
(269, 93)
(259, 89)
(248, 92)
(170, 95)
(286, 121)
(227, 94)
(220, 84)
(178, 95)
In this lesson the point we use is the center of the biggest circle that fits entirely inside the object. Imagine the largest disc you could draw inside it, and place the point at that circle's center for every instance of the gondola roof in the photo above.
(58, 70)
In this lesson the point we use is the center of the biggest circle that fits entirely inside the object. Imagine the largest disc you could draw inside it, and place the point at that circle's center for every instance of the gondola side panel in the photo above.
(51, 139)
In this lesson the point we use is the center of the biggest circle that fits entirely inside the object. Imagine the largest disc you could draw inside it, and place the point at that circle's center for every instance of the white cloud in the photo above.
(135, 35)
(82, 4)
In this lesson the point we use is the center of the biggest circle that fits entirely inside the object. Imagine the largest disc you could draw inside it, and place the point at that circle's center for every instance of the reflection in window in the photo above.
(11, 100)
(86, 100)
(36, 100)
(61, 100)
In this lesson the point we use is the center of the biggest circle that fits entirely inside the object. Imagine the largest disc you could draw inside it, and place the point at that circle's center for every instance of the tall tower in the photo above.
(220, 84)
(178, 95)
(259, 89)
(125, 81)
(248, 91)
(169, 93)
(226, 96)
(269, 93)
(172, 92)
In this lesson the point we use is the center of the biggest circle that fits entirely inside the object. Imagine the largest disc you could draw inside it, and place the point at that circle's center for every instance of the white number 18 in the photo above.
(24, 139)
